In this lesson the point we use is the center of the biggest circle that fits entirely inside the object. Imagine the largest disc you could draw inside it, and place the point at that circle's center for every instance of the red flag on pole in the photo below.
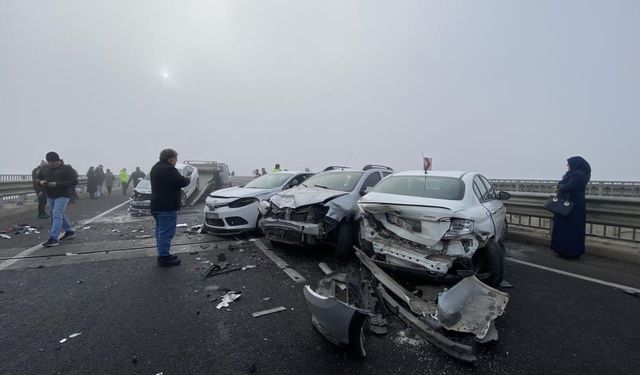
(426, 164)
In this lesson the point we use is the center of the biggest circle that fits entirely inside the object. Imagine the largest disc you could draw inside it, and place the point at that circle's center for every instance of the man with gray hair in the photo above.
(166, 191)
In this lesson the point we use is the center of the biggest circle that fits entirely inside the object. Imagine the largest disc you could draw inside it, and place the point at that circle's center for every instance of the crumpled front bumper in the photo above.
(292, 232)
(142, 207)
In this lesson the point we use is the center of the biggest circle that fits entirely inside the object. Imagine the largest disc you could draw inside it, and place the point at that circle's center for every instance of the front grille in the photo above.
(215, 222)
(309, 214)
(235, 221)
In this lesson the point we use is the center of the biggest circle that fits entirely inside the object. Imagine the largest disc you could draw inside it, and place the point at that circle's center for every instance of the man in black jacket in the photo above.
(166, 191)
(59, 181)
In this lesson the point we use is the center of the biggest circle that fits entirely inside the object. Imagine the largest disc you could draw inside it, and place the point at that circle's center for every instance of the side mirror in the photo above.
(503, 195)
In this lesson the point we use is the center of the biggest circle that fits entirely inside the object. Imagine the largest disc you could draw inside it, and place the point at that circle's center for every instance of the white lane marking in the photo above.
(586, 278)
(107, 212)
(7, 263)
(293, 274)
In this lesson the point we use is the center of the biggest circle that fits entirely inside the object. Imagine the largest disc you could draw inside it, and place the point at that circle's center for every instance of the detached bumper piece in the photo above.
(469, 307)
(339, 322)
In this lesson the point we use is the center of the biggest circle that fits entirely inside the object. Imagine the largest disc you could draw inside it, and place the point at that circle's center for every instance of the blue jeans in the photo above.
(58, 218)
(165, 230)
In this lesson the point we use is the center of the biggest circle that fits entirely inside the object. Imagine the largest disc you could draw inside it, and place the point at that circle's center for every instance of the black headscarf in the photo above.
(578, 164)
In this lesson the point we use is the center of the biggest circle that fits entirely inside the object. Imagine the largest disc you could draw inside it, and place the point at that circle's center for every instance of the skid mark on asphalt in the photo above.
(281, 263)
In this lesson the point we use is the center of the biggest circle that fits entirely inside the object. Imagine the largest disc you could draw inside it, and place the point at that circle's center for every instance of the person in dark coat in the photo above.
(59, 181)
(136, 177)
(92, 183)
(40, 192)
(166, 194)
(99, 180)
(568, 232)
(109, 178)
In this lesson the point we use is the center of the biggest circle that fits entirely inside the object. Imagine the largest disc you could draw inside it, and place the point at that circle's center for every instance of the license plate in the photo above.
(408, 224)
(212, 215)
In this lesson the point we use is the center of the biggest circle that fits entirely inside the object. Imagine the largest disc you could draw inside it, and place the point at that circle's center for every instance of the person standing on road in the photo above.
(59, 181)
(92, 185)
(109, 178)
(40, 192)
(264, 171)
(124, 180)
(276, 168)
(568, 232)
(166, 191)
(99, 180)
(136, 177)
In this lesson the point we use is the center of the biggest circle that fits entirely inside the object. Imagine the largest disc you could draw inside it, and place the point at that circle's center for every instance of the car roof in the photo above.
(420, 172)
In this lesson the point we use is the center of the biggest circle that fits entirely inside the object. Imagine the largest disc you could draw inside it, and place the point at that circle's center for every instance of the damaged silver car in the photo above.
(321, 210)
(447, 225)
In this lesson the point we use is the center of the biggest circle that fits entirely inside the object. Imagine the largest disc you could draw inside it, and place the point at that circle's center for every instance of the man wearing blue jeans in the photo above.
(166, 191)
(58, 181)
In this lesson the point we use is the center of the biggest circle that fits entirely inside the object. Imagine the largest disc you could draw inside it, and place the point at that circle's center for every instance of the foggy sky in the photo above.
(506, 88)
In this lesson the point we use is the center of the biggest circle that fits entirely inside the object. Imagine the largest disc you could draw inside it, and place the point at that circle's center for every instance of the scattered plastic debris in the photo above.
(184, 225)
(266, 298)
(228, 298)
(87, 227)
(325, 268)
(269, 311)
(21, 229)
(196, 229)
(5, 236)
(248, 266)
(70, 254)
(79, 282)
(62, 341)
(75, 335)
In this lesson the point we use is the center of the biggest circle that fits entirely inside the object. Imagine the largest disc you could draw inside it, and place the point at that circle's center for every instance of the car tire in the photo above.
(344, 243)
(258, 229)
(490, 260)
(183, 199)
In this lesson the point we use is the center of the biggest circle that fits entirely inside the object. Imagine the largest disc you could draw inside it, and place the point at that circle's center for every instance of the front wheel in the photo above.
(183, 199)
(490, 260)
(344, 246)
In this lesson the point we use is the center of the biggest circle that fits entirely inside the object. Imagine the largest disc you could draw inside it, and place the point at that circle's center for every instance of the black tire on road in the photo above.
(183, 199)
(258, 229)
(490, 260)
(344, 244)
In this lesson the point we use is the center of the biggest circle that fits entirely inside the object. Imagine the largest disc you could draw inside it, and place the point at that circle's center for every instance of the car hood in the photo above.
(240, 192)
(304, 196)
(144, 187)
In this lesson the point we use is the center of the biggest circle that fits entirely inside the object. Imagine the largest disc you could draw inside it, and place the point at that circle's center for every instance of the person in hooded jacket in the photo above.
(568, 232)
(109, 178)
(99, 180)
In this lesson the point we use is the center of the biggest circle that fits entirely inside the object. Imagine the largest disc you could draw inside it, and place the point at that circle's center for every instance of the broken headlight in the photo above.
(264, 207)
(242, 202)
(459, 227)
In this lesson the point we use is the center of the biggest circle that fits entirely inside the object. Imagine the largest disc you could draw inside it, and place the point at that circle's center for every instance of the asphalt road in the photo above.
(136, 318)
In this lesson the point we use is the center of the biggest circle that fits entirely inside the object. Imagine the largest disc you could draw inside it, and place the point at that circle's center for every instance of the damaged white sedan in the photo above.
(448, 225)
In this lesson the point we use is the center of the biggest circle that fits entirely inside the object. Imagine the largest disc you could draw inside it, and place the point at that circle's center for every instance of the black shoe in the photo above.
(173, 256)
(68, 234)
(51, 242)
(168, 261)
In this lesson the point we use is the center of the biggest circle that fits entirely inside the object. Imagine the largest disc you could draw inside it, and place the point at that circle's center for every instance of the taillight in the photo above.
(459, 227)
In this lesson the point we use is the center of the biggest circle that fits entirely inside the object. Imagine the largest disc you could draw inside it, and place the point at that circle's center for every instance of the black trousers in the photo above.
(42, 203)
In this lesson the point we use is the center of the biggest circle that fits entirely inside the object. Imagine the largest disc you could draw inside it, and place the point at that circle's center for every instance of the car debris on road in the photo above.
(228, 298)
(258, 314)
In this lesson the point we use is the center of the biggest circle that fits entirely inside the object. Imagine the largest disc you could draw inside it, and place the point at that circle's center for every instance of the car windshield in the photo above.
(343, 181)
(448, 188)
(269, 181)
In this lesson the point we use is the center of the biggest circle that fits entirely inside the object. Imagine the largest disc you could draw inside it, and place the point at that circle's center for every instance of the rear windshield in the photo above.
(344, 181)
(448, 188)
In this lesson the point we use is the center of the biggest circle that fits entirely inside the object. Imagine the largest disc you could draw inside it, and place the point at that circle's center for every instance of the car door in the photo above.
(496, 207)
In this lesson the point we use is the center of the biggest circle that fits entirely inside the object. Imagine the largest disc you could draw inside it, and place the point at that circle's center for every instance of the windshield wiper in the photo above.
(321, 187)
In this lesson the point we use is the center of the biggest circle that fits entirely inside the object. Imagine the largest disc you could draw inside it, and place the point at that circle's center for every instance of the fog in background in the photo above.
(507, 88)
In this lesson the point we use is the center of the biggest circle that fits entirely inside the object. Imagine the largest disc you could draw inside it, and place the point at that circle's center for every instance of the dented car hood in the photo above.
(240, 192)
(304, 196)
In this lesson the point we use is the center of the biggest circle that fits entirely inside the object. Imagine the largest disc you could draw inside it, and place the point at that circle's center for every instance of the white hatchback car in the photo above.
(443, 224)
(235, 209)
